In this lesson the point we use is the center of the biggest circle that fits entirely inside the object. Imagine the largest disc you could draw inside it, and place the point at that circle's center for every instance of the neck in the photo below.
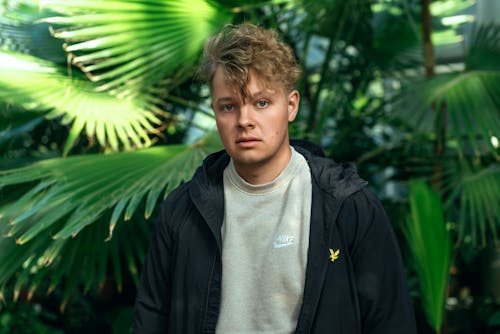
(264, 171)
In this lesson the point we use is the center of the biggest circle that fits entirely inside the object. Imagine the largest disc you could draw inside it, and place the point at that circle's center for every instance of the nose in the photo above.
(245, 117)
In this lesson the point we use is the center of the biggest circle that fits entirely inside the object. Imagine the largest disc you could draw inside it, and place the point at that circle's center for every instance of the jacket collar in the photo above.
(332, 183)
(207, 191)
(337, 179)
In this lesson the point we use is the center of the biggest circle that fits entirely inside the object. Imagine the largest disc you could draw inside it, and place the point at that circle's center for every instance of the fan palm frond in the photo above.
(470, 98)
(470, 191)
(471, 102)
(111, 120)
(84, 262)
(19, 33)
(127, 46)
(476, 191)
(485, 48)
(83, 199)
(81, 188)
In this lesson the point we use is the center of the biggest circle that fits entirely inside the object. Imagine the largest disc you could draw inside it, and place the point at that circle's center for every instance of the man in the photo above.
(268, 237)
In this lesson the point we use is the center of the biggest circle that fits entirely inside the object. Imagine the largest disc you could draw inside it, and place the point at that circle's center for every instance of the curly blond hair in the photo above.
(237, 49)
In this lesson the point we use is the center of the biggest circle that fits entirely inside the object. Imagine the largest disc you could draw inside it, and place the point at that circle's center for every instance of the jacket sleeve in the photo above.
(384, 302)
(152, 305)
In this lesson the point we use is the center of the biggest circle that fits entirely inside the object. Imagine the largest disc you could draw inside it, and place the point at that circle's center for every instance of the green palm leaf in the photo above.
(430, 246)
(79, 201)
(128, 46)
(472, 107)
(18, 33)
(81, 263)
(470, 98)
(80, 188)
(111, 120)
(470, 190)
(477, 193)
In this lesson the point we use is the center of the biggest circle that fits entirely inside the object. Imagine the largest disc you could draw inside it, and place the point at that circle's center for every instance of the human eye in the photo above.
(227, 107)
(262, 103)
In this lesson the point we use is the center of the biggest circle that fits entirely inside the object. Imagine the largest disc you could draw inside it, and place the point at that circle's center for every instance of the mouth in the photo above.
(247, 141)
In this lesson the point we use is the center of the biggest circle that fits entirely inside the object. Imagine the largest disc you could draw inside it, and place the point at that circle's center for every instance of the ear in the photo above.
(293, 104)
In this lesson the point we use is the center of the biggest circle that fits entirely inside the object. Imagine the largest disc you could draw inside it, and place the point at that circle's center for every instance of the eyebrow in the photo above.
(224, 99)
(252, 96)
(261, 92)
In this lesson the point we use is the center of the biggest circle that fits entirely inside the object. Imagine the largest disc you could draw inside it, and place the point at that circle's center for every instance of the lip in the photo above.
(247, 142)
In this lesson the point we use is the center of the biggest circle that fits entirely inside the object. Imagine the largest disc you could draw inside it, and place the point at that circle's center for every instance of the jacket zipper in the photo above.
(310, 322)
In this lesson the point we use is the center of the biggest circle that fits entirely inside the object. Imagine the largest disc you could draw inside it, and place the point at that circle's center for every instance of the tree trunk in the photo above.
(429, 60)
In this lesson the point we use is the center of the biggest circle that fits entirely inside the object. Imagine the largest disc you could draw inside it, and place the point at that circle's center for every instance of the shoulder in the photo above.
(363, 202)
(207, 176)
(339, 180)
(177, 196)
(178, 200)
(199, 193)
(362, 219)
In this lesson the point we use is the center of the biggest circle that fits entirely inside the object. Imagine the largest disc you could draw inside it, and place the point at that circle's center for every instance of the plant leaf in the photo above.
(472, 106)
(430, 245)
(477, 192)
(117, 120)
(132, 45)
(75, 203)
(470, 98)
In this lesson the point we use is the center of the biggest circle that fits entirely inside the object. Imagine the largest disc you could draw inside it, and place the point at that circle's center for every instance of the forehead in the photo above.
(222, 87)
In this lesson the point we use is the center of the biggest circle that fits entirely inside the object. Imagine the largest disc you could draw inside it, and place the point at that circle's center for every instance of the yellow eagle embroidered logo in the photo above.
(334, 255)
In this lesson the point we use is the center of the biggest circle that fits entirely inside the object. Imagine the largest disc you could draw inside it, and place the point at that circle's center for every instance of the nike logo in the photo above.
(283, 240)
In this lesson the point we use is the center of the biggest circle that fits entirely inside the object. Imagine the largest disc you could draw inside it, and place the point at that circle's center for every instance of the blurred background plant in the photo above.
(100, 118)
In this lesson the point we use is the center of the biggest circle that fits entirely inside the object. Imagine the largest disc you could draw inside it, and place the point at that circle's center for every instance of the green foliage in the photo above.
(459, 111)
(495, 319)
(476, 191)
(25, 319)
(469, 98)
(49, 222)
(126, 121)
(129, 46)
(430, 245)
(118, 73)
(122, 322)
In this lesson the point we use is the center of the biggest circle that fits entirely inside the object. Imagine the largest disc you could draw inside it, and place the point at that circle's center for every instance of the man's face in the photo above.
(255, 131)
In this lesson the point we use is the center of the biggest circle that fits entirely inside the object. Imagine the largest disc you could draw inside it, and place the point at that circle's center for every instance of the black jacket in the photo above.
(363, 291)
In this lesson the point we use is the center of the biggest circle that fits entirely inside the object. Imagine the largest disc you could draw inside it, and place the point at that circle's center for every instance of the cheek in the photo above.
(280, 126)
(221, 124)
(224, 132)
(278, 132)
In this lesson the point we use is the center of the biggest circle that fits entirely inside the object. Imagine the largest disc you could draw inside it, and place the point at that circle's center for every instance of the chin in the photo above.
(247, 158)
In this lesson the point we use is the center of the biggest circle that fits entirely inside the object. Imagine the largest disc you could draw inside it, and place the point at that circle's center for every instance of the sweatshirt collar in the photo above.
(207, 191)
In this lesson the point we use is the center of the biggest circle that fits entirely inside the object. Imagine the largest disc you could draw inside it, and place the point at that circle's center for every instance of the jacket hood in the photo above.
(207, 191)
(338, 179)
(210, 172)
